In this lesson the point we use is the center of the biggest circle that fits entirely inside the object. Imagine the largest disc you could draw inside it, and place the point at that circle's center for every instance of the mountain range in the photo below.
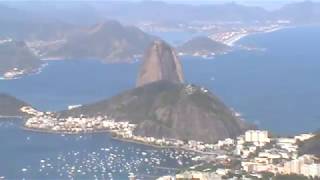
(54, 17)
(306, 12)
(109, 41)
(157, 11)
(24, 25)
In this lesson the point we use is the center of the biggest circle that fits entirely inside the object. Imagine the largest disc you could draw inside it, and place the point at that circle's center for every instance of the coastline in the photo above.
(47, 131)
(10, 117)
(160, 147)
(53, 59)
(109, 132)
(35, 71)
(233, 41)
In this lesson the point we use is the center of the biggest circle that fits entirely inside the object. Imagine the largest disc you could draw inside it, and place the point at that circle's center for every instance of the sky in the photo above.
(269, 4)
(240, 1)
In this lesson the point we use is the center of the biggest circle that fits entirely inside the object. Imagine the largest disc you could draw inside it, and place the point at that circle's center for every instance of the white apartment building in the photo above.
(257, 136)
(304, 165)
(312, 170)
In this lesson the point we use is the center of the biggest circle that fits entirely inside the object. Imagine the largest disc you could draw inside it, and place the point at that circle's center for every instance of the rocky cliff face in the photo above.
(160, 63)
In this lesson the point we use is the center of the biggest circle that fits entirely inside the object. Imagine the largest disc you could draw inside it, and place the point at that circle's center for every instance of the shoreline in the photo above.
(4, 118)
(109, 132)
(35, 71)
(46, 131)
(233, 41)
(117, 138)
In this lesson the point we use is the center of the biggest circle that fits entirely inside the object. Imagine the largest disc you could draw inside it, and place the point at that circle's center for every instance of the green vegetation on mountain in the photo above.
(10, 106)
(109, 41)
(311, 146)
(166, 109)
(15, 54)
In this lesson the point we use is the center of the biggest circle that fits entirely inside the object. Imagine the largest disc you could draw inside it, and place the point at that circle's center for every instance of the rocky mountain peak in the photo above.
(161, 62)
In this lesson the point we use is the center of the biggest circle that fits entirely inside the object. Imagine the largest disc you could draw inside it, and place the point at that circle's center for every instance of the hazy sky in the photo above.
(240, 1)
(262, 3)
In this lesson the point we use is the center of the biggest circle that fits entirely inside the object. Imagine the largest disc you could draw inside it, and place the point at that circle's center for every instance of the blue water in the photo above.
(276, 89)
(72, 82)
(52, 156)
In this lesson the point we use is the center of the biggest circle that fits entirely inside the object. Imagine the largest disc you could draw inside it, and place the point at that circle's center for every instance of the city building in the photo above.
(256, 136)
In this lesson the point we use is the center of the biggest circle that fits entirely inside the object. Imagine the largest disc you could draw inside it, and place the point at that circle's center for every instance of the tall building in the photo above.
(257, 136)
(304, 165)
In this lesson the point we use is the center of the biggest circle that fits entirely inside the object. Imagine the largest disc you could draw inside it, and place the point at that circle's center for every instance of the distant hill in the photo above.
(52, 20)
(10, 106)
(161, 12)
(202, 46)
(311, 146)
(70, 12)
(109, 41)
(15, 54)
(157, 11)
(23, 25)
(302, 12)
